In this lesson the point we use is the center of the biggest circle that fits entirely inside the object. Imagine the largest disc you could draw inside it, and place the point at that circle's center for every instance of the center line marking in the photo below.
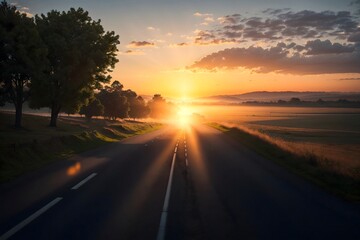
(28, 220)
(83, 181)
(186, 161)
(162, 226)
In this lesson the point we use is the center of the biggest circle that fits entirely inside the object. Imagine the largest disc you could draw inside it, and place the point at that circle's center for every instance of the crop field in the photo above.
(330, 135)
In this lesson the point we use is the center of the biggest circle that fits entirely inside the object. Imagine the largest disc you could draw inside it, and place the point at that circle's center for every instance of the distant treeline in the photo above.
(293, 102)
(114, 102)
(297, 102)
(63, 60)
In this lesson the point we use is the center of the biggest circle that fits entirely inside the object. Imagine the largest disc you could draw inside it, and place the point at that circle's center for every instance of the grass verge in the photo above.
(36, 144)
(306, 166)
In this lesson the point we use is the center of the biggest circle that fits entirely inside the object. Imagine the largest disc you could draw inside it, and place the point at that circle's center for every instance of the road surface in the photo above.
(175, 183)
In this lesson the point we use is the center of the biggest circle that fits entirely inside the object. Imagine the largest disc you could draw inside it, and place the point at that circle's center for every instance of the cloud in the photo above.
(209, 19)
(272, 11)
(326, 47)
(198, 14)
(355, 37)
(132, 52)
(279, 59)
(230, 19)
(281, 24)
(323, 22)
(29, 14)
(212, 38)
(350, 79)
(182, 44)
(139, 44)
(22, 9)
(150, 28)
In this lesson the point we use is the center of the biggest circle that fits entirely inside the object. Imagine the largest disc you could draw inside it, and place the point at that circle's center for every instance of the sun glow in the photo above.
(184, 116)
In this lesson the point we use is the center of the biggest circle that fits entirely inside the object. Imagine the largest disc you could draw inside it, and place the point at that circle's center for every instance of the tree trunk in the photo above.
(18, 102)
(18, 113)
(54, 115)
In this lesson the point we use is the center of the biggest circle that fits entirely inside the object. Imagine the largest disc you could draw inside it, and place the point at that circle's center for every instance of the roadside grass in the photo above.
(35, 145)
(322, 172)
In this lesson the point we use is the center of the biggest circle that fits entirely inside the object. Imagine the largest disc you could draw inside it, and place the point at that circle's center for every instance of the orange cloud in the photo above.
(140, 44)
(319, 58)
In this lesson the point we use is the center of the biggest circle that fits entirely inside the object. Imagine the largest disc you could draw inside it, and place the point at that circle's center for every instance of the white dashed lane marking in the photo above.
(31, 218)
(83, 181)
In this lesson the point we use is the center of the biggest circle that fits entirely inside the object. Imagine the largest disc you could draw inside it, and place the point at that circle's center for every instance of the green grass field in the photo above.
(36, 144)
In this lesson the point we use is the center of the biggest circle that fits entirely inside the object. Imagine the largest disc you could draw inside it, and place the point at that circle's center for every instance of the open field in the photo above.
(330, 135)
(36, 144)
(331, 138)
(320, 171)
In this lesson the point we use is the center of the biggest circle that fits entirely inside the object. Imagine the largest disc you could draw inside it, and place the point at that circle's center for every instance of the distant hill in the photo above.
(264, 96)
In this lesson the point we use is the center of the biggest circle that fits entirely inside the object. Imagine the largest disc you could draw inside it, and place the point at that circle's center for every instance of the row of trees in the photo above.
(114, 102)
(58, 60)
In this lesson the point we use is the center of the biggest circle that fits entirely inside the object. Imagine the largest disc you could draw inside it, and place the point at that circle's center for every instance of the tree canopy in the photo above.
(94, 108)
(159, 107)
(115, 104)
(80, 54)
(64, 59)
(22, 57)
(138, 108)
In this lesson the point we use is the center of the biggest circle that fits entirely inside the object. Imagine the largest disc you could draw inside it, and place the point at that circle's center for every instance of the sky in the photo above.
(195, 48)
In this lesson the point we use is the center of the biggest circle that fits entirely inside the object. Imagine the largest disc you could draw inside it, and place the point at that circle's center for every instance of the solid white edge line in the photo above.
(162, 226)
(175, 150)
(28, 220)
(83, 181)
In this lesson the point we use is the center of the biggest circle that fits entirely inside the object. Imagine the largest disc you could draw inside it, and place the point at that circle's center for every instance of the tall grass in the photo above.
(328, 157)
(300, 160)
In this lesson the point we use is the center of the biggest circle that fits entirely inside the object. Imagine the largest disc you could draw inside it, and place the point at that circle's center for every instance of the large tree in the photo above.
(94, 108)
(138, 108)
(159, 108)
(131, 99)
(80, 53)
(22, 57)
(115, 104)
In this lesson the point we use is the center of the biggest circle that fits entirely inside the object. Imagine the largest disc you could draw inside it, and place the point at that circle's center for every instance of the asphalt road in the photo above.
(175, 183)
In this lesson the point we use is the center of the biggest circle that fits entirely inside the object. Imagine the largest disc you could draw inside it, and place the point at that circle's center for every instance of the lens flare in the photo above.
(184, 116)
(74, 169)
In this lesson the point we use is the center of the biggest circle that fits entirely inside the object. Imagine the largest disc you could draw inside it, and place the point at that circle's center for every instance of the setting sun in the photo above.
(180, 119)
(184, 116)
